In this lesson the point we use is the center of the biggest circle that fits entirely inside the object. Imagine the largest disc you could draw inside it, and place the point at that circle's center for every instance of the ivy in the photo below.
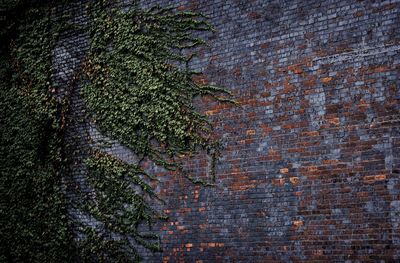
(139, 91)
(119, 208)
(34, 224)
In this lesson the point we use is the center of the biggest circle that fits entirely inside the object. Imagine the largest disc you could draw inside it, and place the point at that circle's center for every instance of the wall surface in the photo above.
(310, 164)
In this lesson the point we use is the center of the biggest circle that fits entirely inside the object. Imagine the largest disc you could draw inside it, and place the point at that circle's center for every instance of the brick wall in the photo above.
(310, 164)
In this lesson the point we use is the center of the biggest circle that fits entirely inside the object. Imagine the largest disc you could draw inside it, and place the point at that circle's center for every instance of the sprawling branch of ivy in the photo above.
(140, 92)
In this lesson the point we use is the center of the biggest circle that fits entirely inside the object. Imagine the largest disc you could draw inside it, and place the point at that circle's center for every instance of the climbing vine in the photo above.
(141, 87)
(139, 91)
(33, 222)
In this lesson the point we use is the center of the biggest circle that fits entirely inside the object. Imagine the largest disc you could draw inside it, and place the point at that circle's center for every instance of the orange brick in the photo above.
(312, 168)
(294, 180)
(266, 128)
(334, 121)
(284, 170)
(369, 179)
(210, 112)
(250, 132)
(311, 133)
(274, 155)
(330, 161)
(326, 80)
(298, 223)
(296, 68)
(380, 177)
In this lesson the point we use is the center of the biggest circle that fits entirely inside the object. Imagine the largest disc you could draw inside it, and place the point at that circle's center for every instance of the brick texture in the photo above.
(310, 165)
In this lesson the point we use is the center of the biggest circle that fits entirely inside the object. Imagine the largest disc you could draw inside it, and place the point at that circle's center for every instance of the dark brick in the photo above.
(310, 165)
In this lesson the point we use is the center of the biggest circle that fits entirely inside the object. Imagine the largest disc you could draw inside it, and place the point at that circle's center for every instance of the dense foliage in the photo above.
(139, 92)
(141, 88)
(33, 224)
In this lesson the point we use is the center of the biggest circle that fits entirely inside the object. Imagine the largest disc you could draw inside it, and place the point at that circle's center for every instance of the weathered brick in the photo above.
(317, 83)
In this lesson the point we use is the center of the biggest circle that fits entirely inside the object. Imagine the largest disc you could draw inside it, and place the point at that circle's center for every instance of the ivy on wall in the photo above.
(139, 91)
(33, 222)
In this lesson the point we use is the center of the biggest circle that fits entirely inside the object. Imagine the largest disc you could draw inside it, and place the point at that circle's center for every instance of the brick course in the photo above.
(310, 164)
